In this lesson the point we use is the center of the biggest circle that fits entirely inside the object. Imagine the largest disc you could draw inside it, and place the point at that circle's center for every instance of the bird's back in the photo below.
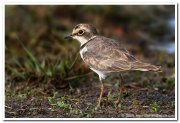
(108, 55)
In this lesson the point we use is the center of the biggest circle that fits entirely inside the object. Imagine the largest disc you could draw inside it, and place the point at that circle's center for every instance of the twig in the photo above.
(78, 76)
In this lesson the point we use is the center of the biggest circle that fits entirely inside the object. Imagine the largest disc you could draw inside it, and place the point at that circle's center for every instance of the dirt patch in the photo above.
(77, 102)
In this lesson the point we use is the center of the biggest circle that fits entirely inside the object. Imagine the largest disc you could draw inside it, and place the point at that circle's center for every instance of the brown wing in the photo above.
(107, 55)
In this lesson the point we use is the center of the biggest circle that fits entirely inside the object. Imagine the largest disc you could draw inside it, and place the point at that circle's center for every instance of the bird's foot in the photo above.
(118, 103)
(98, 106)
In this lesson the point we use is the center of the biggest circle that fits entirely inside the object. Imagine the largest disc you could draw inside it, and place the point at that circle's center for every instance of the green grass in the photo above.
(154, 107)
(65, 104)
(31, 65)
(50, 100)
(34, 76)
(56, 95)
(75, 111)
(62, 104)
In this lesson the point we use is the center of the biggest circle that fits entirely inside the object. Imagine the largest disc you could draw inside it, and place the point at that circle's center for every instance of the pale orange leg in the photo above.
(101, 93)
(107, 97)
(121, 86)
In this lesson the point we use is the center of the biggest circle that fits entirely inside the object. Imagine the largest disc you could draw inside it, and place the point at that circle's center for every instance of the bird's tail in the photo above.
(145, 67)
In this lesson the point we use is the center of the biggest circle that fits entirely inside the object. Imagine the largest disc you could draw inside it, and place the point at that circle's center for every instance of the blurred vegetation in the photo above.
(39, 62)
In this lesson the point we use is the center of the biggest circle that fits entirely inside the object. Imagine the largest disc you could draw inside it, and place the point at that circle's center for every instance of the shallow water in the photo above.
(168, 47)
(171, 24)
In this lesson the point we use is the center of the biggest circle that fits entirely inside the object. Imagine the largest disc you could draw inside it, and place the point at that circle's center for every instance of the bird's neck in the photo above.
(83, 40)
(83, 45)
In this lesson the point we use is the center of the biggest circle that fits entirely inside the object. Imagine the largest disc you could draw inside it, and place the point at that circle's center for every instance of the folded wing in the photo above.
(108, 55)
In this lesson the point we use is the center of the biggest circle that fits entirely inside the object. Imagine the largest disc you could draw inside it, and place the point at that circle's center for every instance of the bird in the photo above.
(105, 55)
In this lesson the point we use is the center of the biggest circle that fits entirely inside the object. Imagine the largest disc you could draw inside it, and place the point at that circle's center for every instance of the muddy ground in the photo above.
(145, 94)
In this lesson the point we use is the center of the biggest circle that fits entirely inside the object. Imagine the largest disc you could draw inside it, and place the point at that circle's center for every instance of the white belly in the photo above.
(101, 74)
(83, 51)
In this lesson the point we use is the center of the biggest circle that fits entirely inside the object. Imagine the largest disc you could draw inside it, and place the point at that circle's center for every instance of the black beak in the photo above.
(68, 37)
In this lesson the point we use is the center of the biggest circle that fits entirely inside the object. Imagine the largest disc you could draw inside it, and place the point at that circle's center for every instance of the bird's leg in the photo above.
(121, 86)
(101, 93)
(108, 97)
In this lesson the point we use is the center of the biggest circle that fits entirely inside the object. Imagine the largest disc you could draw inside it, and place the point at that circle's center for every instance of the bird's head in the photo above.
(83, 32)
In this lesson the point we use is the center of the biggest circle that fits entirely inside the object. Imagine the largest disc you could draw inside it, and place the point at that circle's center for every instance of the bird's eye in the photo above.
(80, 32)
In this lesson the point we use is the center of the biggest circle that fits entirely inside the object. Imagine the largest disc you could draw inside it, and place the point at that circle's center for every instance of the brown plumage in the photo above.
(108, 55)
